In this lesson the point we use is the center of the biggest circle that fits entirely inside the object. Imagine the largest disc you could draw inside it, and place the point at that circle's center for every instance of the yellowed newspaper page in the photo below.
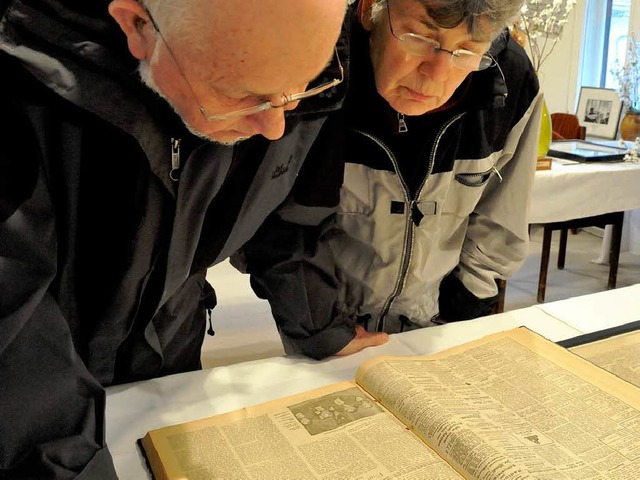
(619, 355)
(337, 432)
(515, 406)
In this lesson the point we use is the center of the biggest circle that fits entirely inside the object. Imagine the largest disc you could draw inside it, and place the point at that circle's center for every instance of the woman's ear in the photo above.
(133, 20)
(364, 13)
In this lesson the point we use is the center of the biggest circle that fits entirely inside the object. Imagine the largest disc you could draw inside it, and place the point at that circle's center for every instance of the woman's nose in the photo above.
(438, 67)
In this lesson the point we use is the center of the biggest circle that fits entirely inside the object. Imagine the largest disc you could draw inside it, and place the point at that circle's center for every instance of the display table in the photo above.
(586, 194)
(577, 190)
(133, 409)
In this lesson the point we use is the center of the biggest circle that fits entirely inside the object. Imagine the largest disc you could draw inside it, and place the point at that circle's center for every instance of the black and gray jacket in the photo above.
(432, 211)
(103, 254)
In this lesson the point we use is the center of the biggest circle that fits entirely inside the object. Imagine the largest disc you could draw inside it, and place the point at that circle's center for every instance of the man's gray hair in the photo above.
(183, 19)
(451, 13)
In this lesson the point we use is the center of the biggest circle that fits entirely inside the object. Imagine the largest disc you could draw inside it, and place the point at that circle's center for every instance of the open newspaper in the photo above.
(616, 349)
(512, 405)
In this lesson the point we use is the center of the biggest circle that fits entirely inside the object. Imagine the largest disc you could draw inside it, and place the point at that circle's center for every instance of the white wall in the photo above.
(559, 73)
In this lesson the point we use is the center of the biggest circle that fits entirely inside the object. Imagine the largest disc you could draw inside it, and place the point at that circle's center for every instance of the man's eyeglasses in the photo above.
(285, 99)
(420, 46)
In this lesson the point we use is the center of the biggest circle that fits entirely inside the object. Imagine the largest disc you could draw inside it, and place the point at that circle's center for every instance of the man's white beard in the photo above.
(146, 75)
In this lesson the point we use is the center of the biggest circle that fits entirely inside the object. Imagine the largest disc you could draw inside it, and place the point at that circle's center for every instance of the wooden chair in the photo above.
(502, 290)
(566, 126)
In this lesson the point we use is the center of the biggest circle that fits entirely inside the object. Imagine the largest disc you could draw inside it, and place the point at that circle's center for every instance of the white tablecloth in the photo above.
(136, 408)
(589, 313)
(576, 190)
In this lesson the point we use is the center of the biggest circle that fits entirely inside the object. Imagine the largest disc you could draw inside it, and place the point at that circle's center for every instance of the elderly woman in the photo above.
(441, 122)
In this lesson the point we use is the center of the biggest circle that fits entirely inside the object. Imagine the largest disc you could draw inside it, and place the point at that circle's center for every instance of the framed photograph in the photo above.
(599, 111)
(584, 151)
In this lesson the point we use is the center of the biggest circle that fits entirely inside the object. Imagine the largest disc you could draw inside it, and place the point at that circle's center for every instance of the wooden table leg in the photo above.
(562, 248)
(614, 253)
(544, 262)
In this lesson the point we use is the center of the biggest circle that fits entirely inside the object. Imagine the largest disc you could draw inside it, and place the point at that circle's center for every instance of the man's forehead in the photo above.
(263, 48)
(255, 74)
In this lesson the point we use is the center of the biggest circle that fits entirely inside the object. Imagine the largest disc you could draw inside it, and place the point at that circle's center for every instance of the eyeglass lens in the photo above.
(418, 45)
(421, 46)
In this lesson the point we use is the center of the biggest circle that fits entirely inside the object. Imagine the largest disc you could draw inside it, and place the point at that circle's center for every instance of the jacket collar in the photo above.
(82, 56)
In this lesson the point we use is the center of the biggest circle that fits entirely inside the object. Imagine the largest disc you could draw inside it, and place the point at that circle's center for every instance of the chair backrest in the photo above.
(566, 126)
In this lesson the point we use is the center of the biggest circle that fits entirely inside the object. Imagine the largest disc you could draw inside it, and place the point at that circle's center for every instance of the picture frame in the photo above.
(599, 111)
(585, 151)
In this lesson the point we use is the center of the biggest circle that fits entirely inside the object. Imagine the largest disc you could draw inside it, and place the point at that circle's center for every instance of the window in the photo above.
(606, 30)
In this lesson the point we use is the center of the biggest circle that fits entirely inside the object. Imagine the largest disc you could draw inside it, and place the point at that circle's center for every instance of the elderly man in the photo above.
(442, 119)
(114, 198)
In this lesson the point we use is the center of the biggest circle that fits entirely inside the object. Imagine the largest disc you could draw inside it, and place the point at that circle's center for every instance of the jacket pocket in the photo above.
(474, 179)
(465, 192)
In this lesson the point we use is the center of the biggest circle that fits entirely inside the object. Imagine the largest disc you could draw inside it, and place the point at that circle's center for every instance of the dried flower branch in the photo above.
(542, 21)
(627, 77)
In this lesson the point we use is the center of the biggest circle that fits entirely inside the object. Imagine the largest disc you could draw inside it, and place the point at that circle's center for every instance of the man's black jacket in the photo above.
(102, 255)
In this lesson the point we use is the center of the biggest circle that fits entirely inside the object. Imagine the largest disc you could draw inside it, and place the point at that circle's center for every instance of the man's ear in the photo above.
(133, 20)
(364, 13)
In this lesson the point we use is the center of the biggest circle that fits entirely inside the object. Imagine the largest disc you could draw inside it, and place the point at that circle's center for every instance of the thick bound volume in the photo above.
(512, 405)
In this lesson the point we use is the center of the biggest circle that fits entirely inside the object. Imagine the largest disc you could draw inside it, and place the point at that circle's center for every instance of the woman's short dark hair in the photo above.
(451, 13)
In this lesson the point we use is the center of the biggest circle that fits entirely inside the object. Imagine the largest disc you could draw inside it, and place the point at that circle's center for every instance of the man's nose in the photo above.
(270, 123)
(438, 67)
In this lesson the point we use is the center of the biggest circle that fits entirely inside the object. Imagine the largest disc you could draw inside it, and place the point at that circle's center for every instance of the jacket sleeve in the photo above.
(496, 242)
(52, 408)
(290, 264)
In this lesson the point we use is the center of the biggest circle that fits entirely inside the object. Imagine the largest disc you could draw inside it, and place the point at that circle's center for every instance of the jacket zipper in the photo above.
(504, 80)
(409, 222)
(174, 174)
(432, 158)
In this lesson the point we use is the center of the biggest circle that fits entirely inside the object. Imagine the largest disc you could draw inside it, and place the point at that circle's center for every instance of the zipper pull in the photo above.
(416, 214)
(175, 159)
(497, 173)
(402, 124)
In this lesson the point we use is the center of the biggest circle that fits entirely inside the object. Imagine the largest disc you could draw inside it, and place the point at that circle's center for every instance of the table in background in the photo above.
(586, 192)
(133, 409)
(578, 190)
